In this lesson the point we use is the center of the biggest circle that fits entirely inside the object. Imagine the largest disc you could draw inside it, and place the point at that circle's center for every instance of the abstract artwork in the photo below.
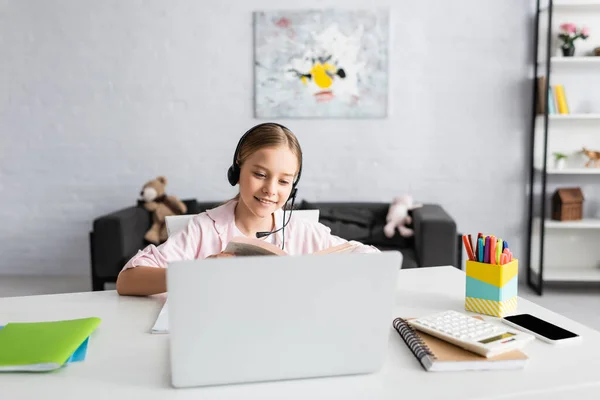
(321, 64)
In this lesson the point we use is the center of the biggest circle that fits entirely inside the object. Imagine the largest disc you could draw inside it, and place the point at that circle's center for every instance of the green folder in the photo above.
(42, 346)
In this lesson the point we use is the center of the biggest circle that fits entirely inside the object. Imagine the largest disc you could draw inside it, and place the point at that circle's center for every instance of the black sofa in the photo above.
(116, 237)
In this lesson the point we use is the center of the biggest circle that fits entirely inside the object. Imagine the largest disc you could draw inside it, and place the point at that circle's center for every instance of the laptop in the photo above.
(266, 318)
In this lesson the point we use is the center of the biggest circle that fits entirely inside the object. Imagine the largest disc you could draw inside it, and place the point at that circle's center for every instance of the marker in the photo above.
(467, 244)
(492, 251)
(498, 251)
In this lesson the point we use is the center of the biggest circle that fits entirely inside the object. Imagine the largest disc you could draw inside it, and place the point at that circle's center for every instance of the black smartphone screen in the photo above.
(540, 327)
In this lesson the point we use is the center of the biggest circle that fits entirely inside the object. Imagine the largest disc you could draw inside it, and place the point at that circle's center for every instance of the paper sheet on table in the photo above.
(162, 321)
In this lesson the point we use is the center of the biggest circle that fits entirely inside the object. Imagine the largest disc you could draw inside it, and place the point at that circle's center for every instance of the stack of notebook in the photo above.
(438, 355)
(44, 346)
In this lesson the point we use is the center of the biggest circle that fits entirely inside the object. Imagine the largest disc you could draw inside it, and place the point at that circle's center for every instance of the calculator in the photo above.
(475, 335)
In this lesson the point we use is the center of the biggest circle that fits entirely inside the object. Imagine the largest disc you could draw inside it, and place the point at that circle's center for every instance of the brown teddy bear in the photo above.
(160, 205)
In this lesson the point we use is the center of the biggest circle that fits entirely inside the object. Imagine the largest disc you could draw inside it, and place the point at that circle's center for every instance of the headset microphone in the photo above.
(264, 234)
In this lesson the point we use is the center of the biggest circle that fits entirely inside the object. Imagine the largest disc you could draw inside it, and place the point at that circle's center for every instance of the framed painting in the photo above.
(321, 64)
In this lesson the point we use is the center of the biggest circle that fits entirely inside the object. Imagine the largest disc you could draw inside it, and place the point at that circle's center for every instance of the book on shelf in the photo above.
(557, 98)
(561, 99)
(438, 355)
(245, 246)
(541, 99)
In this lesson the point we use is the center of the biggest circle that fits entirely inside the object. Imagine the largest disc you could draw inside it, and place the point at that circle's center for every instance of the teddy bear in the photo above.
(160, 205)
(397, 216)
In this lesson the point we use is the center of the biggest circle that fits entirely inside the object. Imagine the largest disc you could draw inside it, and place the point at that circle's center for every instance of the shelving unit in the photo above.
(564, 251)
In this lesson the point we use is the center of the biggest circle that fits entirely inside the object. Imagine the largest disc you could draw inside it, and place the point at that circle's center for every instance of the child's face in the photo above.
(266, 179)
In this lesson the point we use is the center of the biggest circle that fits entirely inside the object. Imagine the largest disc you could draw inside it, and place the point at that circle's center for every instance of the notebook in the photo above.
(44, 346)
(161, 325)
(79, 354)
(438, 355)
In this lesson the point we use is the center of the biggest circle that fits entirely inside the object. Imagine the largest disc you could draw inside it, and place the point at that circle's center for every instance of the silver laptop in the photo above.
(249, 319)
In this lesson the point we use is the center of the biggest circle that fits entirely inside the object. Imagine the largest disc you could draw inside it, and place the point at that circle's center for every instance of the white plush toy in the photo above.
(398, 217)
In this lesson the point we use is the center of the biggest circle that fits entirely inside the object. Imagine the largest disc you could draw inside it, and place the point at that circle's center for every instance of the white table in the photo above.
(125, 361)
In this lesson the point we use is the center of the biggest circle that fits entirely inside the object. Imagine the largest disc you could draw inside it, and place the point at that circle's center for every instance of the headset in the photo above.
(233, 176)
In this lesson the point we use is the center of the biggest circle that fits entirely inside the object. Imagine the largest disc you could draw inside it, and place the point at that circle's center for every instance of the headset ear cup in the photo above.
(232, 175)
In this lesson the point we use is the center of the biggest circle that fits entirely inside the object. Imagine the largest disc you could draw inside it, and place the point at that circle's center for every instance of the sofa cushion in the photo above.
(378, 238)
(350, 223)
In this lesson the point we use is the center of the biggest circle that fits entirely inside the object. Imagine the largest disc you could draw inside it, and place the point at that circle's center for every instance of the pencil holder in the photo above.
(492, 289)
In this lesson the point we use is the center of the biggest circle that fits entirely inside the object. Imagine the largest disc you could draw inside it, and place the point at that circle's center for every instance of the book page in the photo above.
(243, 246)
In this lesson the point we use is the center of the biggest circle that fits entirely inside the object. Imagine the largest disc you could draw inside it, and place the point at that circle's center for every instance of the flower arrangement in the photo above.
(569, 33)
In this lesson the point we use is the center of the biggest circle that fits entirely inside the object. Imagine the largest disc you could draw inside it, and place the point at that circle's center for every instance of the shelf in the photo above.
(571, 171)
(586, 223)
(572, 117)
(574, 6)
(575, 274)
(586, 60)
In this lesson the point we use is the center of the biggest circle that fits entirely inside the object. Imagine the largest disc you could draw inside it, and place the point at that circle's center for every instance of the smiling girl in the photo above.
(267, 166)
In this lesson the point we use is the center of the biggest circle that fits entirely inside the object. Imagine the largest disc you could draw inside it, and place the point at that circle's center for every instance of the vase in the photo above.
(568, 51)
(559, 164)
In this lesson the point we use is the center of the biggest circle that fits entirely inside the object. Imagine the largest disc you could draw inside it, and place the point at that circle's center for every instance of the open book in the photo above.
(244, 246)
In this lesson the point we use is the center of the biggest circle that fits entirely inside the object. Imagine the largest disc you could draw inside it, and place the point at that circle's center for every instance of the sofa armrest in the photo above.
(435, 236)
(116, 237)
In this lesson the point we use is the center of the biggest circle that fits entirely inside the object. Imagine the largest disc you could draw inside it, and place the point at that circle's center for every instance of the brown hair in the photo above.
(268, 135)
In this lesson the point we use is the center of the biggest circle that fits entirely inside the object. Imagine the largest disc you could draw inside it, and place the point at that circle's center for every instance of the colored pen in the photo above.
(486, 250)
(508, 255)
(467, 244)
(498, 251)
(492, 250)
(472, 245)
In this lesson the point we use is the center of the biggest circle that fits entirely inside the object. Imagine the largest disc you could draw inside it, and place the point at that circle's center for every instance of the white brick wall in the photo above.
(99, 96)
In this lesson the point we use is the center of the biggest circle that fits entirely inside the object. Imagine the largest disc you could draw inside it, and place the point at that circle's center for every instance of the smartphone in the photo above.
(541, 329)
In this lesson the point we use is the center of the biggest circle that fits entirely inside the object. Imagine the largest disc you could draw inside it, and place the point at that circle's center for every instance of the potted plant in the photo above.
(569, 33)
(560, 160)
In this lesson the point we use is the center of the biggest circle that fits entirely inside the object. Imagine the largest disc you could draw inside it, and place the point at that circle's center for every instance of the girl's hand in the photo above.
(221, 255)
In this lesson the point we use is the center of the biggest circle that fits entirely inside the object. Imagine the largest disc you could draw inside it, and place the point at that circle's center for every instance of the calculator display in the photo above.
(497, 337)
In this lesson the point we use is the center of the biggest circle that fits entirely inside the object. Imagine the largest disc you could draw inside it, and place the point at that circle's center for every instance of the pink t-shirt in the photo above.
(209, 232)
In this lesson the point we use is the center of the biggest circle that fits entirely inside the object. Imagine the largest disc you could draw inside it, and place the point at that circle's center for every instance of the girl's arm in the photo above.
(146, 274)
(145, 281)
(142, 281)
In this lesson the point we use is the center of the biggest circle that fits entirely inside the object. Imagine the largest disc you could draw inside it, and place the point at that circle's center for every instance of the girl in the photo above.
(267, 165)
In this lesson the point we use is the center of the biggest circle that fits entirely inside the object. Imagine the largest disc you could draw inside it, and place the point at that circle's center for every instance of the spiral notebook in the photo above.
(438, 355)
